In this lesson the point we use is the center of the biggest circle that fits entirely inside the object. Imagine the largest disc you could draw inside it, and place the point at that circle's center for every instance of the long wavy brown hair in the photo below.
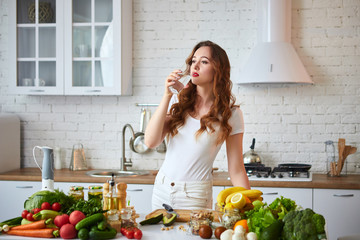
(220, 111)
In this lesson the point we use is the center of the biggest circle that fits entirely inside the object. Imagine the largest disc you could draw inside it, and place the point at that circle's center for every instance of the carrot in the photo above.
(34, 225)
(40, 233)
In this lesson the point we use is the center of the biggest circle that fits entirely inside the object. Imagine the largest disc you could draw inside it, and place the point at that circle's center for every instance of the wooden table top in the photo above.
(219, 179)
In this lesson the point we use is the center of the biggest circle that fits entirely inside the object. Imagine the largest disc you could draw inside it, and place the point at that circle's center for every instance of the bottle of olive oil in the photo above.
(111, 201)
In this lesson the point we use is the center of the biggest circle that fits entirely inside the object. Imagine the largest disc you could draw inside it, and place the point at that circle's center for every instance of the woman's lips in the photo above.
(195, 74)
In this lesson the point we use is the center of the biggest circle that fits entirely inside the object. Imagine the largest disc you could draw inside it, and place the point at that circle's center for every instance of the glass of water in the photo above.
(184, 79)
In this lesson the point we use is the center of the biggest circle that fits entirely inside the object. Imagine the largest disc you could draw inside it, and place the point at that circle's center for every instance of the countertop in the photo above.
(220, 179)
(150, 232)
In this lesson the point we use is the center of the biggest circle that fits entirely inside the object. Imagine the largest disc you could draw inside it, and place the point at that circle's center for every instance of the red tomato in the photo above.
(24, 213)
(36, 210)
(129, 233)
(138, 234)
(56, 206)
(45, 205)
(122, 231)
(29, 217)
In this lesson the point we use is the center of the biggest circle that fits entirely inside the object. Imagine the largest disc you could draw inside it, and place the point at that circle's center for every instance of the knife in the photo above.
(169, 209)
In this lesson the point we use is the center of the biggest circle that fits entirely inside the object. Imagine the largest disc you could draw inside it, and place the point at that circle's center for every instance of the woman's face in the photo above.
(202, 71)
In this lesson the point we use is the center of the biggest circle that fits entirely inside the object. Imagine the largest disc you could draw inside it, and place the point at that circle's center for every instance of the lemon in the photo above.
(238, 201)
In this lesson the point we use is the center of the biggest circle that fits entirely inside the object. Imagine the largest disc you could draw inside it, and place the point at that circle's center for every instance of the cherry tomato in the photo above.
(45, 206)
(36, 210)
(56, 206)
(24, 213)
(129, 233)
(122, 231)
(138, 234)
(29, 217)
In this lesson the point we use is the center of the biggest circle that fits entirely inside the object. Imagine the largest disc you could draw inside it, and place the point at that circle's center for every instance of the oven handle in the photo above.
(271, 193)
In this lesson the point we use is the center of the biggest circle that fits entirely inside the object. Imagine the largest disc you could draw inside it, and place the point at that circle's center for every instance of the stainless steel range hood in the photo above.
(274, 59)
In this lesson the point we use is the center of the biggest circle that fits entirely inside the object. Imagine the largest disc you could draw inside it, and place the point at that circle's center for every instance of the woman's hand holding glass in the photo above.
(177, 81)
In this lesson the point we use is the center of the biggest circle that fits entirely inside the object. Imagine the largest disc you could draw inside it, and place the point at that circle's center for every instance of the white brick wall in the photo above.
(290, 122)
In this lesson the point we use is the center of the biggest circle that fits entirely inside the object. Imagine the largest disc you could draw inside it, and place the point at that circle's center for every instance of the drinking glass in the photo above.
(184, 79)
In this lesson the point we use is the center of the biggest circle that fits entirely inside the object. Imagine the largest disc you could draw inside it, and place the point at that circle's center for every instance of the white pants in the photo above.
(181, 195)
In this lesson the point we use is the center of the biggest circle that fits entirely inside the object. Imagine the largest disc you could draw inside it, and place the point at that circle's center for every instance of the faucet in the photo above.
(123, 163)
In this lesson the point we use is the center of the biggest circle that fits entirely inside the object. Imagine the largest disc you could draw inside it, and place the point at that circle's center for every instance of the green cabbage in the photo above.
(35, 200)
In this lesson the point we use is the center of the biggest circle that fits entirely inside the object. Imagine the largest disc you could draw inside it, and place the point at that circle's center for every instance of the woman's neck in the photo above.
(203, 102)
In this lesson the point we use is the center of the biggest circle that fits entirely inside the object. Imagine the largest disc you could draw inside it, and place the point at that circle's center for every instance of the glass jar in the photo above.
(126, 217)
(77, 192)
(198, 218)
(95, 191)
(230, 217)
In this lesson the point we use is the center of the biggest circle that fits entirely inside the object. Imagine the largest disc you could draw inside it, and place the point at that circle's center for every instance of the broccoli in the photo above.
(304, 224)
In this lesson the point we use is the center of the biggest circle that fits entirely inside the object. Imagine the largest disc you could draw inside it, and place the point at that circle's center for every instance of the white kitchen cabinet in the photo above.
(341, 209)
(67, 47)
(302, 196)
(140, 197)
(13, 196)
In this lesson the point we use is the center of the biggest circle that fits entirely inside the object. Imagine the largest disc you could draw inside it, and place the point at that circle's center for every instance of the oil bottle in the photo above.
(111, 201)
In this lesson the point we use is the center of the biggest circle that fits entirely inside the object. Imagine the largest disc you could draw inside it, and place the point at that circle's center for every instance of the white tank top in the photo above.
(191, 159)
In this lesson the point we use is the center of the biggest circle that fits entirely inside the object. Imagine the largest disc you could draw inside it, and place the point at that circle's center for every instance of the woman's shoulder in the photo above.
(236, 110)
(236, 120)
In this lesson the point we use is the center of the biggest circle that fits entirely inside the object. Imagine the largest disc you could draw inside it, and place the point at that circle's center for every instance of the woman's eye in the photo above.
(204, 62)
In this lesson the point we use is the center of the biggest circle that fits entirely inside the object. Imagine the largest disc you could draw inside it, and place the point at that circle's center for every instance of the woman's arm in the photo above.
(157, 127)
(236, 166)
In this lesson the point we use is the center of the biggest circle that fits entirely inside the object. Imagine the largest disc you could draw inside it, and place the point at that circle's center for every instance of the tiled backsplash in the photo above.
(290, 122)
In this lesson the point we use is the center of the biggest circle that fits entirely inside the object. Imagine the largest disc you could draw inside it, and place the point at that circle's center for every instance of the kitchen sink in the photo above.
(117, 173)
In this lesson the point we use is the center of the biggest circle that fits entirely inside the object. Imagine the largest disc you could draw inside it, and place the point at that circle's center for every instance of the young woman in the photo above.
(196, 122)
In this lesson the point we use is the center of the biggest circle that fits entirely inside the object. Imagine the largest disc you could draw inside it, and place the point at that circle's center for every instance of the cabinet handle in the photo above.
(24, 187)
(135, 190)
(36, 90)
(343, 195)
(271, 193)
(96, 90)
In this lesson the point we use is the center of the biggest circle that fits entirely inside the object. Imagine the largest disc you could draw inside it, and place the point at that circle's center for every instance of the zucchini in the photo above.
(89, 221)
(153, 220)
(45, 214)
(101, 235)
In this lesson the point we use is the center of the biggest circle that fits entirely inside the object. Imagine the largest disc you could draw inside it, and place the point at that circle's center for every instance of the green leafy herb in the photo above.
(89, 207)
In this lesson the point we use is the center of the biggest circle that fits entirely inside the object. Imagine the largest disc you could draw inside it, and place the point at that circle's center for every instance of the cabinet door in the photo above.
(14, 194)
(341, 209)
(140, 196)
(95, 61)
(36, 58)
(302, 196)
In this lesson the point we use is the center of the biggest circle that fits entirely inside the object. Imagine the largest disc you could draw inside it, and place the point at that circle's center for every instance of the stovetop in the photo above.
(259, 172)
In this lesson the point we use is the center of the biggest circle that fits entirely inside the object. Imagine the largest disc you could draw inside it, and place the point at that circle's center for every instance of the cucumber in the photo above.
(83, 234)
(12, 222)
(102, 225)
(89, 221)
(153, 220)
(101, 235)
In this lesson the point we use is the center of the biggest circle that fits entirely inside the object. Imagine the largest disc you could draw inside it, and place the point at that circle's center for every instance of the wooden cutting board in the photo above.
(184, 214)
